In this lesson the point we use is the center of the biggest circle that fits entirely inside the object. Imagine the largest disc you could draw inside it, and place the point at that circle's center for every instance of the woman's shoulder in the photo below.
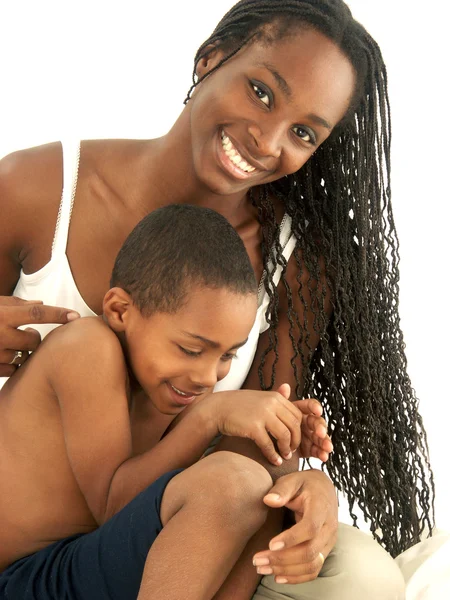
(24, 172)
(30, 191)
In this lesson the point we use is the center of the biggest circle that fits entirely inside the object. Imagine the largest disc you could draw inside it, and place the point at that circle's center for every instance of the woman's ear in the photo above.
(212, 55)
(116, 308)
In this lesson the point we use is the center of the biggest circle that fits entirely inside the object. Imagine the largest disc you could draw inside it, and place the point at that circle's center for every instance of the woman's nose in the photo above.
(267, 141)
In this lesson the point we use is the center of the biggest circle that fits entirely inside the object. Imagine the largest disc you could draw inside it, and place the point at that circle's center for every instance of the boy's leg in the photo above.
(209, 513)
(357, 568)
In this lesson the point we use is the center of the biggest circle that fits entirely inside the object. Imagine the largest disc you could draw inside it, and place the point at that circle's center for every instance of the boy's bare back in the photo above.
(41, 500)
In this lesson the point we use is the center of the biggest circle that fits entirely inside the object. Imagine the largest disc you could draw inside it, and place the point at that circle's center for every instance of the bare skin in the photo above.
(85, 469)
(121, 181)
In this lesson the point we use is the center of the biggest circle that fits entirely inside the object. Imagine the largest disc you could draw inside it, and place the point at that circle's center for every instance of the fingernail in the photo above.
(288, 456)
(281, 579)
(71, 316)
(274, 497)
(264, 570)
(279, 461)
(276, 546)
(260, 562)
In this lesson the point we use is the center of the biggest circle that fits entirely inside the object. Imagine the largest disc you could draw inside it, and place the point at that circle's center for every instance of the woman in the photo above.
(295, 153)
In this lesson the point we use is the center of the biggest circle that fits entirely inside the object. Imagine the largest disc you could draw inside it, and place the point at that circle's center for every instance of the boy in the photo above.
(92, 502)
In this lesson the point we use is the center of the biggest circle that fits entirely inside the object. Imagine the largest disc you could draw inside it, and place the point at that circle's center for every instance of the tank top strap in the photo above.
(71, 162)
(288, 242)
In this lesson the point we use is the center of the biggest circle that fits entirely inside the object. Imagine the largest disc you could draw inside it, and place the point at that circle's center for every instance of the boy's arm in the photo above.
(88, 376)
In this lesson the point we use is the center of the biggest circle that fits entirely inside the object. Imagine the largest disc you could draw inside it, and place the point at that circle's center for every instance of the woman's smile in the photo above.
(239, 165)
(263, 124)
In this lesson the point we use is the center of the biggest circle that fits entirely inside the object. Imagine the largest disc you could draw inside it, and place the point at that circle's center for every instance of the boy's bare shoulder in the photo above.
(86, 343)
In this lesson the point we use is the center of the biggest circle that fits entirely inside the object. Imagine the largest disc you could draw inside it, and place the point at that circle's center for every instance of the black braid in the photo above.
(340, 205)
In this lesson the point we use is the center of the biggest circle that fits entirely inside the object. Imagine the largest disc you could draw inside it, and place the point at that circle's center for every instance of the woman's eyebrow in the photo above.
(281, 81)
(285, 88)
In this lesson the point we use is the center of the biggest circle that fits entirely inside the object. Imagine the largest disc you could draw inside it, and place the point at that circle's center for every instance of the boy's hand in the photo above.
(259, 416)
(315, 442)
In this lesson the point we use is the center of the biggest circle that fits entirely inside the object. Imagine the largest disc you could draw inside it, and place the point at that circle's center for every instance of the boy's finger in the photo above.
(309, 406)
(285, 390)
(265, 444)
(280, 431)
(318, 425)
(314, 451)
(322, 443)
(291, 407)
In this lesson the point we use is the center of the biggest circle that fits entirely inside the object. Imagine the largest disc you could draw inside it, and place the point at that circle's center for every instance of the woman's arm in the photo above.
(30, 189)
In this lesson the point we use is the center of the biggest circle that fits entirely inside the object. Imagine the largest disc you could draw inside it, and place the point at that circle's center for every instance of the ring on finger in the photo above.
(17, 357)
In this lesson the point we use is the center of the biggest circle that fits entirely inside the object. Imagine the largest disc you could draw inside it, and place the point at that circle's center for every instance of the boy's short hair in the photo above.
(175, 247)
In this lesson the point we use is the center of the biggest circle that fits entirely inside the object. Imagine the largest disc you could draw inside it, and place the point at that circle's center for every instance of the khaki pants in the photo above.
(357, 569)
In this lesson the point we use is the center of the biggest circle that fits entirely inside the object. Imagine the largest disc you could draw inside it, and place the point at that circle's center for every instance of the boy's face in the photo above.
(178, 357)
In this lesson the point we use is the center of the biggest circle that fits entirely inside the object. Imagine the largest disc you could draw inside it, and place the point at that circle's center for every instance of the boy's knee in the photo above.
(236, 475)
(233, 485)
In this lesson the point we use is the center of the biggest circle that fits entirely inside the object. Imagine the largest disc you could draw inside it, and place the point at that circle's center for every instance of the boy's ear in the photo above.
(116, 308)
(210, 60)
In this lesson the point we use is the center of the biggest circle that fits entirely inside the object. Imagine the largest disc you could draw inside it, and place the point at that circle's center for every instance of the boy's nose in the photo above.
(206, 377)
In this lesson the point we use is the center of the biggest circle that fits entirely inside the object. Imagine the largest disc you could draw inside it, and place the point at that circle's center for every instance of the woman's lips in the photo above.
(233, 162)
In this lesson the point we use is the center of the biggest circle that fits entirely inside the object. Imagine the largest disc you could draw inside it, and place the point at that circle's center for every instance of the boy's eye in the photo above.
(304, 134)
(189, 352)
(228, 356)
(262, 94)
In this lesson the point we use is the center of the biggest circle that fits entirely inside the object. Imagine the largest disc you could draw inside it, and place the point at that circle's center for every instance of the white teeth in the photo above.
(179, 391)
(234, 155)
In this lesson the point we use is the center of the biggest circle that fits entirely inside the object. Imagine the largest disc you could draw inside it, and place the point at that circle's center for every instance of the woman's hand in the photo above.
(15, 312)
(297, 554)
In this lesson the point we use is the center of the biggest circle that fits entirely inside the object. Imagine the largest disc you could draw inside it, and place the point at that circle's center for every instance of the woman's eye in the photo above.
(305, 134)
(262, 94)
(189, 352)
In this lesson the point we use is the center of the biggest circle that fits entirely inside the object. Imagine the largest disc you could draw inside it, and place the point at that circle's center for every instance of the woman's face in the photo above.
(262, 114)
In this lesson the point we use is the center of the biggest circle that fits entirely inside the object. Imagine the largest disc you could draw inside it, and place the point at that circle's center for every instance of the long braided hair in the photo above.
(340, 205)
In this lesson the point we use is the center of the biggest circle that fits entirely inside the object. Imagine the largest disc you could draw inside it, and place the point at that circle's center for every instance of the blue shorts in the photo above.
(106, 564)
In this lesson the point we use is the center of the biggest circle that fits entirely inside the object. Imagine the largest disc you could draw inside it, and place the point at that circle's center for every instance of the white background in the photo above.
(121, 69)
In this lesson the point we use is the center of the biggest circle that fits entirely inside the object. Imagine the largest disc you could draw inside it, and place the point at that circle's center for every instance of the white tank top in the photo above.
(54, 283)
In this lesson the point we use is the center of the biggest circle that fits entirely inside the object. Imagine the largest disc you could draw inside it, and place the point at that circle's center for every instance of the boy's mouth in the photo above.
(184, 394)
(184, 397)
